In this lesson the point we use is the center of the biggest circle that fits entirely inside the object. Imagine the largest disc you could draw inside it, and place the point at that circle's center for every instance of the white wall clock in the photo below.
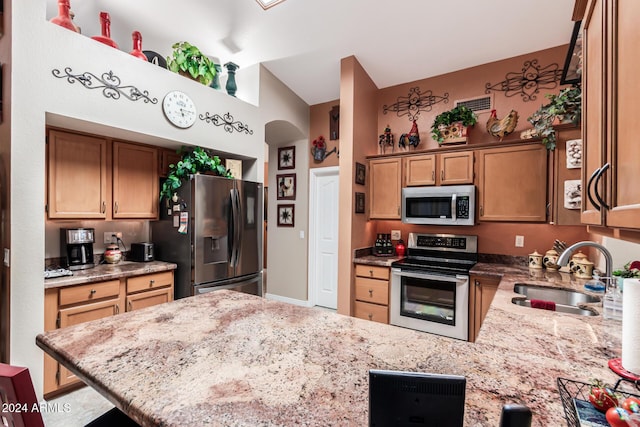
(179, 109)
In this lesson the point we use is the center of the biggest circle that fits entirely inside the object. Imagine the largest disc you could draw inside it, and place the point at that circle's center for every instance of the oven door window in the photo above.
(428, 207)
(434, 301)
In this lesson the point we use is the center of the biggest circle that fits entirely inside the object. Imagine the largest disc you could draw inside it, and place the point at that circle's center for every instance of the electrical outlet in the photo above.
(396, 235)
(108, 237)
(519, 241)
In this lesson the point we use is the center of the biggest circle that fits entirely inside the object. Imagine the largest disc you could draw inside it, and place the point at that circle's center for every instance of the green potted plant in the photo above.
(450, 126)
(194, 160)
(566, 106)
(187, 60)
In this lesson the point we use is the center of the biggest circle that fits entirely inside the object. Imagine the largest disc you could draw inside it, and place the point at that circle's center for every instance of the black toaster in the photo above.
(141, 252)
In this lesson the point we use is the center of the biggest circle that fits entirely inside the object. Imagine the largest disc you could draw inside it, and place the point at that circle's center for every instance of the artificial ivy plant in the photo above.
(194, 160)
(188, 59)
(566, 105)
(460, 113)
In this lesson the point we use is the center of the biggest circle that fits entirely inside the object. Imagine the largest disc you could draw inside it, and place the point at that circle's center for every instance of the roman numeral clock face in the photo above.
(179, 109)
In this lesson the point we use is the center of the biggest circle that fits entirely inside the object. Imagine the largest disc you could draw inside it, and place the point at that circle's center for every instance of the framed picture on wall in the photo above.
(286, 186)
(286, 215)
(360, 173)
(359, 203)
(287, 157)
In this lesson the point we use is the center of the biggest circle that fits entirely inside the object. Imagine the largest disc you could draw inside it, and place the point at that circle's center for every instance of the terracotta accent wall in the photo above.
(319, 118)
(465, 84)
(499, 237)
(357, 127)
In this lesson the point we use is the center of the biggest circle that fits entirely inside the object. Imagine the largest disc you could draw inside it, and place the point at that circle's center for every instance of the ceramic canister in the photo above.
(550, 259)
(535, 260)
(584, 269)
(574, 259)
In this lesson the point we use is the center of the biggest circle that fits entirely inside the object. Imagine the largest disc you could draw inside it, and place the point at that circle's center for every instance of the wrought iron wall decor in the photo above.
(227, 121)
(415, 103)
(529, 81)
(108, 82)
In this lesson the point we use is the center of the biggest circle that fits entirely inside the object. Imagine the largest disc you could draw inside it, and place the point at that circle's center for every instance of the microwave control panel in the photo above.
(462, 208)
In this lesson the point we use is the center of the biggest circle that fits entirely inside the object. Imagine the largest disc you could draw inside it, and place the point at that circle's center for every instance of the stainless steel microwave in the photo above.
(443, 205)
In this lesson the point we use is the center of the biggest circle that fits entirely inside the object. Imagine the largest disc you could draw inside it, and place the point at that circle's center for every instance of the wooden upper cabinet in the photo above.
(135, 181)
(610, 106)
(167, 157)
(624, 200)
(77, 176)
(420, 170)
(512, 183)
(594, 109)
(456, 168)
(439, 169)
(385, 188)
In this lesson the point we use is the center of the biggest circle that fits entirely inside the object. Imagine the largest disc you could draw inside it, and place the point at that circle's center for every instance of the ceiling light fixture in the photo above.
(266, 4)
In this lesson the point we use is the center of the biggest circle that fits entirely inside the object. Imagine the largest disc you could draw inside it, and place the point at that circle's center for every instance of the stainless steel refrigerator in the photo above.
(213, 231)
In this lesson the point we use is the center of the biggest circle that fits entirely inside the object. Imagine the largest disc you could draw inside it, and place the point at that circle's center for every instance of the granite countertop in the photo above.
(232, 359)
(104, 272)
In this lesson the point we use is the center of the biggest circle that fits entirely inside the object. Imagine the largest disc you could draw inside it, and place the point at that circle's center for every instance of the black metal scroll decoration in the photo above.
(108, 82)
(415, 103)
(227, 121)
(528, 82)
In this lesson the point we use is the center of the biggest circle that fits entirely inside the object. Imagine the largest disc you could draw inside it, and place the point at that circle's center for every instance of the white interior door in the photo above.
(323, 237)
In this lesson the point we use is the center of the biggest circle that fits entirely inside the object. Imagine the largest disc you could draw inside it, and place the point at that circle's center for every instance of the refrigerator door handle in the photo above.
(232, 228)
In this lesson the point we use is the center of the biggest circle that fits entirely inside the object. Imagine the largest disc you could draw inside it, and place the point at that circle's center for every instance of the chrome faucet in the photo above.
(564, 257)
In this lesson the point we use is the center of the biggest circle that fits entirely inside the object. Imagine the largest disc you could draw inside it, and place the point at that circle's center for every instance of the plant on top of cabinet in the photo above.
(567, 106)
(188, 61)
(194, 160)
(442, 129)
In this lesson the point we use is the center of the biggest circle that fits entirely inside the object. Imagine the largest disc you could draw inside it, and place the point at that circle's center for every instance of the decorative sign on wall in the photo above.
(227, 121)
(528, 82)
(415, 103)
(573, 194)
(287, 157)
(286, 186)
(108, 82)
(574, 153)
(286, 215)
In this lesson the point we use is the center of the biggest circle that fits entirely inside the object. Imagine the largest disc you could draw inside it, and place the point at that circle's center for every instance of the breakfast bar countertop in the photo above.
(231, 359)
(103, 272)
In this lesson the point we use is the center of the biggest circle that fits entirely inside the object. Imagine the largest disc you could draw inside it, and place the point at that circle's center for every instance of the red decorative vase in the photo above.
(105, 23)
(400, 248)
(137, 46)
(64, 18)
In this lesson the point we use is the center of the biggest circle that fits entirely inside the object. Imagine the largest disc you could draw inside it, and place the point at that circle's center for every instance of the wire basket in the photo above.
(570, 390)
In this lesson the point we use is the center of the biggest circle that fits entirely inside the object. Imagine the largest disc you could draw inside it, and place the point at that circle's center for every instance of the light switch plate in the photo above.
(519, 241)
(396, 235)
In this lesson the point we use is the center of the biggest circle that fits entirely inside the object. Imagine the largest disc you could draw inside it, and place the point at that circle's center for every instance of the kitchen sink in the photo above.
(566, 300)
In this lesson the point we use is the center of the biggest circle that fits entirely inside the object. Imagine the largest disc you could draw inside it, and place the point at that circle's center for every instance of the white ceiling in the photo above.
(302, 41)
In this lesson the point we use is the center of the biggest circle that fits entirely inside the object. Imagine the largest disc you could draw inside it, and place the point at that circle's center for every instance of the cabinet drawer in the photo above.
(372, 290)
(149, 298)
(372, 271)
(89, 292)
(149, 281)
(377, 313)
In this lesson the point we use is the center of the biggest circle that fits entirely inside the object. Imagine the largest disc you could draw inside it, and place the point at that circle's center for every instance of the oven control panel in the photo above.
(444, 242)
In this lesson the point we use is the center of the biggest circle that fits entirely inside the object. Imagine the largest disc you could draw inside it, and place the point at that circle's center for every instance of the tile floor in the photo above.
(75, 409)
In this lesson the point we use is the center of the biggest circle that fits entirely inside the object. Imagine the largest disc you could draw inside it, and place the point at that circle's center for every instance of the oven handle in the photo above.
(459, 278)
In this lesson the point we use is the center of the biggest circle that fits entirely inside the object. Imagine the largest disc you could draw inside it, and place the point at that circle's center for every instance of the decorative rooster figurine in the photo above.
(504, 126)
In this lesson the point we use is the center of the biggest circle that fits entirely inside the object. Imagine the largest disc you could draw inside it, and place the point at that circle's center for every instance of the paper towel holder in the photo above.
(616, 366)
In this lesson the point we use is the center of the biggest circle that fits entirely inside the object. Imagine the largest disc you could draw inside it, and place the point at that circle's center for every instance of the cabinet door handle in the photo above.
(370, 293)
(595, 186)
(433, 175)
(116, 208)
(481, 211)
(477, 282)
(130, 306)
(151, 282)
(92, 291)
(370, 316)
(104, 206)
(590, 187)
(371, 273)
(117, 309)
(442, 175)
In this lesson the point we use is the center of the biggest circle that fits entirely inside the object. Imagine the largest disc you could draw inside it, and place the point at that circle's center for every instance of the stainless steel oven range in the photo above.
(430, 287)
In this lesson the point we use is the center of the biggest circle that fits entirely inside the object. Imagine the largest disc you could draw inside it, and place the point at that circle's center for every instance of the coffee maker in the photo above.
(77, 245)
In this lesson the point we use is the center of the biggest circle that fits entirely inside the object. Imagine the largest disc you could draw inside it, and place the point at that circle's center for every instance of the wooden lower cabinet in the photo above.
(148, 290)
(372, 293)
(72, 305)
(482, 289)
